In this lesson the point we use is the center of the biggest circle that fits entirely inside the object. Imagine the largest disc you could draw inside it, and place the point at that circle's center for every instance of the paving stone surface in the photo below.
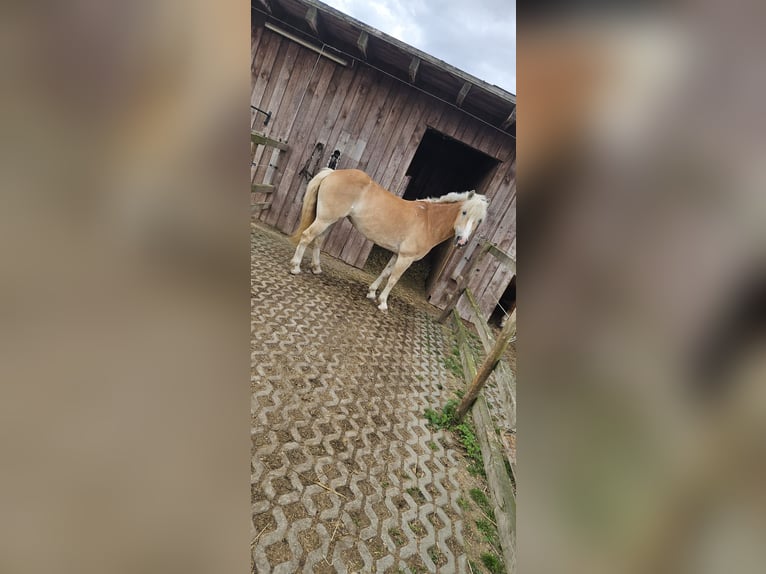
(345, 474)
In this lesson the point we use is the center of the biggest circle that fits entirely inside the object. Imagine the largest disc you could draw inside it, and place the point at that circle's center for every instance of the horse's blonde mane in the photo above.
(474, 203)
(452, 197)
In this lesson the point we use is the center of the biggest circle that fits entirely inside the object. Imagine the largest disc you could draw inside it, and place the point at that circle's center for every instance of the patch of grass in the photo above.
(493, 563)
(434, 554)
(473, 450)
(397, 536)
(473, 567)
(417, 528)
(463, 503)
(442, 419)
(432, 445)
(481, 499)
(452, 362)
(416, 494)
(446, 419)
(487, 530)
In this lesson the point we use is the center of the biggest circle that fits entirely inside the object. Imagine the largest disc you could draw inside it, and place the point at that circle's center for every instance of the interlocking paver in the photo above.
(345, 475)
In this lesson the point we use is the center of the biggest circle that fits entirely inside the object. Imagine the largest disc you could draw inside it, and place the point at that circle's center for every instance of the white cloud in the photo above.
(478, 36)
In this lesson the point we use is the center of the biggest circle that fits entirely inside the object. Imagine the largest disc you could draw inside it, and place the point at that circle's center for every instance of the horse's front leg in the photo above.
(401, 265)
(372, 293)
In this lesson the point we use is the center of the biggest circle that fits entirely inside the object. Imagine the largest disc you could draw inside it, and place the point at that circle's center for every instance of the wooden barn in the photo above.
(328, 88)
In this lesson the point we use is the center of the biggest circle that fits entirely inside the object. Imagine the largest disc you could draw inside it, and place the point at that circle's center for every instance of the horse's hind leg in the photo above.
(311, 233)
(401, 265)
(371, 294)
(316, 267)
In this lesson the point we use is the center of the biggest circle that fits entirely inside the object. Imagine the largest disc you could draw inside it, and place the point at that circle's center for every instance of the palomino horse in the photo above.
(408, 228)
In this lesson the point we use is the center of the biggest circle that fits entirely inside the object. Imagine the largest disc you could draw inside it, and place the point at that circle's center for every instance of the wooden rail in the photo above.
(265, 187)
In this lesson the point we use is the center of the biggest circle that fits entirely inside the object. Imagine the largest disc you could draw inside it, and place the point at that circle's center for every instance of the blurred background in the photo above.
(642, 396)
(124, 230)
(124, 414)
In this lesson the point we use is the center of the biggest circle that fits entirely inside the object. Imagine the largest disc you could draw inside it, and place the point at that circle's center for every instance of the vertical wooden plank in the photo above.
(343, 230)
(318, 130)
(302, 145)
(481, 284)
(274, 82)
(280, 197)
(390, 115)
(284, 114)
(350, 251)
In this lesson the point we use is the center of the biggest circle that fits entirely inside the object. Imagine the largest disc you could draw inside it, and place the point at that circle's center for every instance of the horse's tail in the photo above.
(309, 209)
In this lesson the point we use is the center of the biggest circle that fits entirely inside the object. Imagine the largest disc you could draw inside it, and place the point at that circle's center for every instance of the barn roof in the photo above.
(320, 25)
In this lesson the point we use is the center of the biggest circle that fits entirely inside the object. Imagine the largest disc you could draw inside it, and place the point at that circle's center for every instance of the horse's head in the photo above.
(472, 212)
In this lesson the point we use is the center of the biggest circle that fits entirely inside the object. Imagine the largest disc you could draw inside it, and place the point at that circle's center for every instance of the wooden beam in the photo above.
(260, 206)
(260, 139)
(463, 93)
(414, 66)
(362, 42)
(509, 121)
(262, 188)
(501, 256)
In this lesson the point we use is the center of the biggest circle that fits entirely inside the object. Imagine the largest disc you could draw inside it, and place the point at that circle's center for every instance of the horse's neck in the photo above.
(442, 220)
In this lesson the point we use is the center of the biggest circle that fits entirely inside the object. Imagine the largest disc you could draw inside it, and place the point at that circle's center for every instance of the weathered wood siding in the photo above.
(377, 123)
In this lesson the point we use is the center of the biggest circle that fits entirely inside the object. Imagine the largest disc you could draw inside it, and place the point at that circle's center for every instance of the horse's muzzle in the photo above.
(460, 242)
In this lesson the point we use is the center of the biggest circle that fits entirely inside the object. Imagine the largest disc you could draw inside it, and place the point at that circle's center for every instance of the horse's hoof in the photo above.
(383, 307)
(371, 296)
(295, 270)
(316, 270)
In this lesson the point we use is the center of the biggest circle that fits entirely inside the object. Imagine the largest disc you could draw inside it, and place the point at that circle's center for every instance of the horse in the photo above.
(408, 228)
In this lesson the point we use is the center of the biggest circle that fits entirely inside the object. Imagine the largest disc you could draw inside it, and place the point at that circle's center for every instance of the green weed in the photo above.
(481, 499)
(493, 563)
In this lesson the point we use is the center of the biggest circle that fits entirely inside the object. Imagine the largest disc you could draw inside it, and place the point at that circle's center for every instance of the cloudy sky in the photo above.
(477, 36)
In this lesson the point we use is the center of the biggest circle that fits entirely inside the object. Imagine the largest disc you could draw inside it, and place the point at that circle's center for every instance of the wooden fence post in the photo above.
(489, 364)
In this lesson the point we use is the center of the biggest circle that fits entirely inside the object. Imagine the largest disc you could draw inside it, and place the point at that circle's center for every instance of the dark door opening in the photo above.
(441, 165)
(505, 305)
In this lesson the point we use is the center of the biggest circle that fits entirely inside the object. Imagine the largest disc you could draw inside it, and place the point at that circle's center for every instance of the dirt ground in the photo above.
(346, 475)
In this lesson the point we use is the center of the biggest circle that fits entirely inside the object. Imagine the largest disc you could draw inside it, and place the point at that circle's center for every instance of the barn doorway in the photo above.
(441, 165)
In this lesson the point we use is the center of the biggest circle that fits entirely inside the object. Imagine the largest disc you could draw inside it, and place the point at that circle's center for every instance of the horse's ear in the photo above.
(471, 194)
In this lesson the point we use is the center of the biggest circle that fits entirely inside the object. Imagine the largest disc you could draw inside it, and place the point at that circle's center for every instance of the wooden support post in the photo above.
(362, 41)
(486, 369)
(462, 94)
(312, 18)
(509, 120)
(413, 70)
